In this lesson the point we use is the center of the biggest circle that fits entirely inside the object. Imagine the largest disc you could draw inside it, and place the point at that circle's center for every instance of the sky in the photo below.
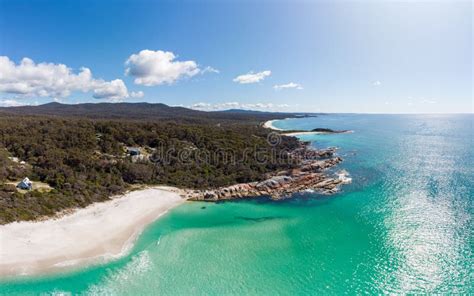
(301, 56)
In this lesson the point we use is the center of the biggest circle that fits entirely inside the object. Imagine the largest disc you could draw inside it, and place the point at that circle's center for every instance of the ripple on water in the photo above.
(427, 224)
(117, 282)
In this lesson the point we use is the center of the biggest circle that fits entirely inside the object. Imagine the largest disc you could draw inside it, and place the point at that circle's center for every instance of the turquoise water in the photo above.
(403, 225)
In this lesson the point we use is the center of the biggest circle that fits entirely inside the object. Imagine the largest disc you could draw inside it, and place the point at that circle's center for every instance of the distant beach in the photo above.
(98, 233)
(314, 133)
(269, 124)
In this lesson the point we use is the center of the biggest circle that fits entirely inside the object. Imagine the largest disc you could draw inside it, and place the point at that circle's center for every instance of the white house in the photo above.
(25, 184)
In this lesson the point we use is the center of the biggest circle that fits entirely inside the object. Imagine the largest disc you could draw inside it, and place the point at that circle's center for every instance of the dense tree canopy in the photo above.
(85, 159)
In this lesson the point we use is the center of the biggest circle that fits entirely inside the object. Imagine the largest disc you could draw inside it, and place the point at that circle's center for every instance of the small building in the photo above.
(132, 151)
(14, 159)
(25, 184)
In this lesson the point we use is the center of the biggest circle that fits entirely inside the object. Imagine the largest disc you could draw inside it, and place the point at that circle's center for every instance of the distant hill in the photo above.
(140, 111)
(247, 111)
(244, 111)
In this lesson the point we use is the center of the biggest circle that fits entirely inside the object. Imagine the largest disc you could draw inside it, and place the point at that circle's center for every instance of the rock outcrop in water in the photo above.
(309, 175)
(329, 131)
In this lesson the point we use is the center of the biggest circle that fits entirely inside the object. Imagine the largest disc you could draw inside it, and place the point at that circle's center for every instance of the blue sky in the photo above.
(321, 56)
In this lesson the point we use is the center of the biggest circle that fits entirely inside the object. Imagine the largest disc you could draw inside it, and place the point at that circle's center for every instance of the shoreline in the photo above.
(269, 124)
(293, 134)
(96, 234)
(107, 230)
(308, 175)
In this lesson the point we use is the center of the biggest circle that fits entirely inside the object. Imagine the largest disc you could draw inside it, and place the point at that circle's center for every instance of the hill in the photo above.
(141, 111)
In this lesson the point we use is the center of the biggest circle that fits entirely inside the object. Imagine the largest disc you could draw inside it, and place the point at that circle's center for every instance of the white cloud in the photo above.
(227, 105)
(137, 94)
(210, 69)
(377, 83)
(29, 79)
(152, 68)
(113, 90)
(11, 103)
(252, 77)
(287, 86)
(201, 106)
(236, 105)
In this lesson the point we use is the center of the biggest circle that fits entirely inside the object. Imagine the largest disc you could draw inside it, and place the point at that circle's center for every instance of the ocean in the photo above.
(404, 225)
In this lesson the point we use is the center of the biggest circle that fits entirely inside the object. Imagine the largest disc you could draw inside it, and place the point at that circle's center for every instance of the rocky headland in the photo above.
(309, 175)
(329, 131)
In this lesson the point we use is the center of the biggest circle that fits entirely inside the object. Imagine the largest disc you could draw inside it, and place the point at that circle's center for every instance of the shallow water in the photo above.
(403, 225)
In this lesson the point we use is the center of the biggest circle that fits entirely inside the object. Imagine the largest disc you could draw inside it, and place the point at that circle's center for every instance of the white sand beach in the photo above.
(98, 233)
(294, 134)
(269, 124)
(304, 133)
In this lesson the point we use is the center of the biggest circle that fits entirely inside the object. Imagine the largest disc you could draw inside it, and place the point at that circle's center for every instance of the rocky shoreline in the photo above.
(309, 175)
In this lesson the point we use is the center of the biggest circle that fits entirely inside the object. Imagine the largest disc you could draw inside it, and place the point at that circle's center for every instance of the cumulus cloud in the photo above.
(151, 68)
(237, 105)
(287, 86)
(54, 80)
(137, 94)
(377, 83)
(252, 77)
(113, 90)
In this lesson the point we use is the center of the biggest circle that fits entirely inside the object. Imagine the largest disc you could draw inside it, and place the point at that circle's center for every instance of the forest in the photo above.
(85, 159)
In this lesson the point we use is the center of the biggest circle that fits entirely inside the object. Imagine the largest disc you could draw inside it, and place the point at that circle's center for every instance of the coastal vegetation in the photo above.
(84, 158)
(328, 130)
